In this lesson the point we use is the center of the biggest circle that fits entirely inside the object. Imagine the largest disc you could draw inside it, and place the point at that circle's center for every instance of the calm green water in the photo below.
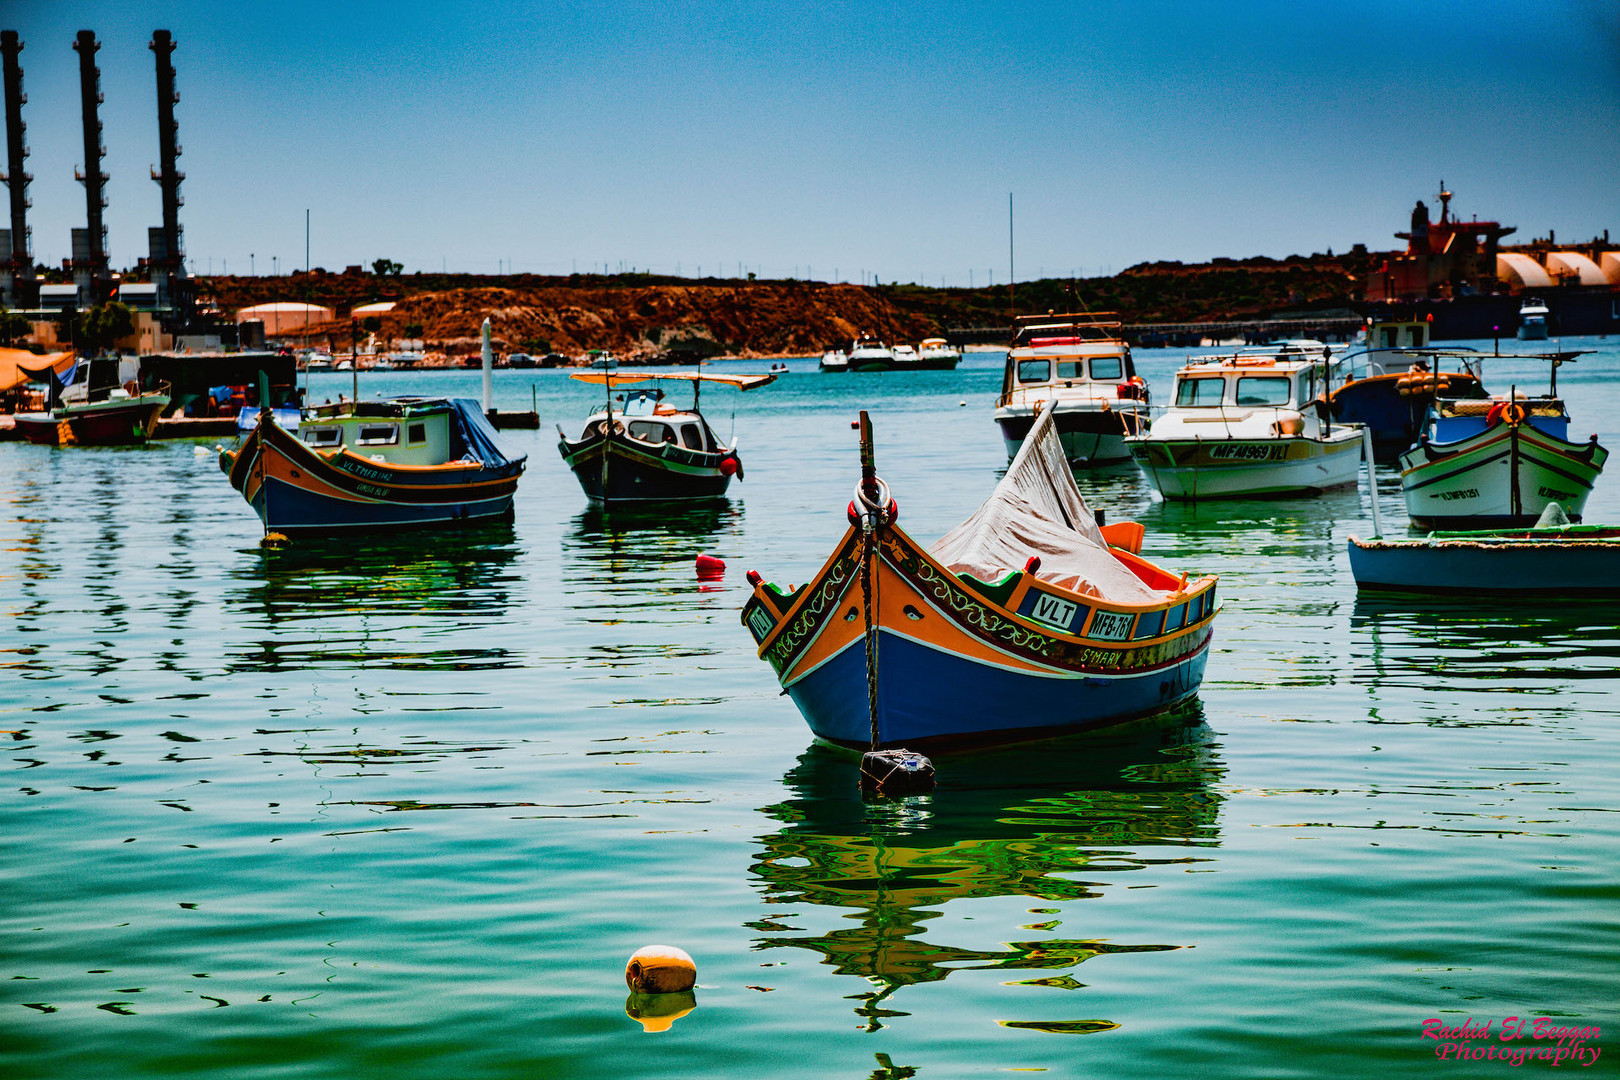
(405, 808)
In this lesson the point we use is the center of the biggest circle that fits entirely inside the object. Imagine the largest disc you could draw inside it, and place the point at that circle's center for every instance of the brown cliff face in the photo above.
(741, 319)
(641, 316)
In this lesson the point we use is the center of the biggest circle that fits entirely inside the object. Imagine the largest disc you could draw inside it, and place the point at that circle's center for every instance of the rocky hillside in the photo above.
(641, 315)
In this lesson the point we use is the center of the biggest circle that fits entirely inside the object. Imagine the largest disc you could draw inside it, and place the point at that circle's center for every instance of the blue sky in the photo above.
(799, 139)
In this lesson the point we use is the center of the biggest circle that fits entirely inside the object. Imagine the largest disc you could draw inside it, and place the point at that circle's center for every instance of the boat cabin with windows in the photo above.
(1243, 383)
(638, 448)
(1080, 368)
(1251, 423)
(399, 432)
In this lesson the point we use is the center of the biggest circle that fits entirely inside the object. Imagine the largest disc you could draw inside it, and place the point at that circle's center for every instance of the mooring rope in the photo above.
(869, 590)
(872, 510)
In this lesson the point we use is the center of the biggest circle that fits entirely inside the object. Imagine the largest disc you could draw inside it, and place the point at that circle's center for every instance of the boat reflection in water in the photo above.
(378, 600)
(1454, 659)
(621, 554)
(637, 525)
(1055, 821)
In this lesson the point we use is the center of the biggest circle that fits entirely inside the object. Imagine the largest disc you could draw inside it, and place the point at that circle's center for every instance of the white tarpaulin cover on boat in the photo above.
(1037, 510)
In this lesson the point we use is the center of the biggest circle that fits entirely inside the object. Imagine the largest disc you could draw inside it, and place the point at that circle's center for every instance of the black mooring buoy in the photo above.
(896, 772)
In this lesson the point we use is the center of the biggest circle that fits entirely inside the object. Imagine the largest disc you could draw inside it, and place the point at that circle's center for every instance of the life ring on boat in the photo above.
(1510, 411)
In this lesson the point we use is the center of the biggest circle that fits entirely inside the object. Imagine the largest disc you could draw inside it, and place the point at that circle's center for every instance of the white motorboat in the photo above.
(867, 353)
(1079, 368)
(835, 360)
(1533, 320)
(1250, 424)
(936, 354)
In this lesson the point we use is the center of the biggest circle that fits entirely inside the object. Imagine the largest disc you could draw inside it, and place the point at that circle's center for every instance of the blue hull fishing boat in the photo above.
(375, 465)
(1570, 560)
(1389, 391)
(1026, 620)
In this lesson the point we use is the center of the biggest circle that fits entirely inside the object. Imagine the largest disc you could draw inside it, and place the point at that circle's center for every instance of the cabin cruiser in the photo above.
(1079, 368)
(1250, 424)
(867, 353)
(936, 354)
(1533, 320)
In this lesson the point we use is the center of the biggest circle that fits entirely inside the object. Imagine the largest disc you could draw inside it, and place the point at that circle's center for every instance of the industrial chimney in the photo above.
(168, 260)
(90, 271)
(18, 286)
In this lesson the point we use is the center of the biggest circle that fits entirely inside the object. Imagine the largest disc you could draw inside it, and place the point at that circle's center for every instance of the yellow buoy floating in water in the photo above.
(660, 978)
(660, 969)
(274, 540)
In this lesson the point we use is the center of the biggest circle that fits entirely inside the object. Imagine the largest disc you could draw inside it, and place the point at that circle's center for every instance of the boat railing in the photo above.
(1368, 363)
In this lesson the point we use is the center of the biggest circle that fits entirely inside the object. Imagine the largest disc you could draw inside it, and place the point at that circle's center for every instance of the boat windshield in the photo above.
(1034, 371)
(1200, 393)
(1263, 390)
(1107, 368)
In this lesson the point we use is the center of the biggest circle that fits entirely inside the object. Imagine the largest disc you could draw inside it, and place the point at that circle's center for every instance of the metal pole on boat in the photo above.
(489, 363)
(607, 436)
(1372, 480)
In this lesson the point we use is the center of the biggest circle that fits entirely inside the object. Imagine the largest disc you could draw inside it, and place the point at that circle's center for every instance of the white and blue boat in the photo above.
(1498, 462)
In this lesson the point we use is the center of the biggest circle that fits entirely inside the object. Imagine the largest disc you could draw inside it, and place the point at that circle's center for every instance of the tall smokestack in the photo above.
(17, 281)
(168, 260)
(90, 257)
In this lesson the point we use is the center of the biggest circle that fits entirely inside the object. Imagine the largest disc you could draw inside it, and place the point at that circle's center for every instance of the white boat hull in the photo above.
(1089, 433)
(1187, 469)
(1505, 475)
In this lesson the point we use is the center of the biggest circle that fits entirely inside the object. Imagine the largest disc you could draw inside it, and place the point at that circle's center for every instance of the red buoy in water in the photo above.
(710, 566)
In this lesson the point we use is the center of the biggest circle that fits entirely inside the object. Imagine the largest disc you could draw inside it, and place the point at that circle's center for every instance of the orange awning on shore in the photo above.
(18, 366)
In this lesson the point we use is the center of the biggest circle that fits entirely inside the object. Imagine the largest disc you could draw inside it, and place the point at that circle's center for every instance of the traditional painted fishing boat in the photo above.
(1499, 461)
(1250, 424)
(649, 451)
(375, 465)
(1025, 620)
(1078, 368)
